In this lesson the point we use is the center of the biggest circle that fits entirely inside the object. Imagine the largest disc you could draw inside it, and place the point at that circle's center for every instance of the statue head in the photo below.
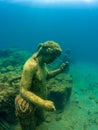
(50, 50)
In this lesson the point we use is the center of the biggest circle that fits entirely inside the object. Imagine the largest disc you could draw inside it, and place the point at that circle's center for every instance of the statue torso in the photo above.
(39, 81)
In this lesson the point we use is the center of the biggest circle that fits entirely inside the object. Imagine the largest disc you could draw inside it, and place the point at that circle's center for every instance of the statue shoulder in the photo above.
(30, 64)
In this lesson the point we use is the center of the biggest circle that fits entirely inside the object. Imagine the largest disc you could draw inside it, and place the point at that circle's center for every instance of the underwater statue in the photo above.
(32, 101)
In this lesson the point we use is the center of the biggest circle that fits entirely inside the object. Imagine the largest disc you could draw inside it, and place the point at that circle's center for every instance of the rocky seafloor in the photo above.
(77, 107)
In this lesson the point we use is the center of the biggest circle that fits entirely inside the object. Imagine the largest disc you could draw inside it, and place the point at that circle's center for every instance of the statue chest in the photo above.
(39, 82)
(41, 74)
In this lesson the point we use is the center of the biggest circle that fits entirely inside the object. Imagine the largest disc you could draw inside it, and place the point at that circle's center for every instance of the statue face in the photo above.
(49, 58)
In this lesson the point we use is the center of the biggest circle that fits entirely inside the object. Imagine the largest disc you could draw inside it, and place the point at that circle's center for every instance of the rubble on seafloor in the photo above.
(11, 62)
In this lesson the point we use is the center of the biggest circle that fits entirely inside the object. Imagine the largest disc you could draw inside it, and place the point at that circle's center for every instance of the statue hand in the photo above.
(49, 105)
(64, 65)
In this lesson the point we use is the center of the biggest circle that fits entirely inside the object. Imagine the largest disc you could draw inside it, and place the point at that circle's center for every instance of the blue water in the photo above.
(74, 27)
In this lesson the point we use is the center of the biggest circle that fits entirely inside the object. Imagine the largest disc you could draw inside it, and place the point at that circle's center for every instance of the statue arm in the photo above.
(53, 73)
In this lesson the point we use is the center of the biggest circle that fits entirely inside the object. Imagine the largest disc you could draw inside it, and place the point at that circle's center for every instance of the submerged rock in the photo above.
(61, 91)
(7, 109)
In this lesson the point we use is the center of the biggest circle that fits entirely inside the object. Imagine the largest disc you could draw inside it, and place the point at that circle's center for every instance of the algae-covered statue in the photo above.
(32, 100)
